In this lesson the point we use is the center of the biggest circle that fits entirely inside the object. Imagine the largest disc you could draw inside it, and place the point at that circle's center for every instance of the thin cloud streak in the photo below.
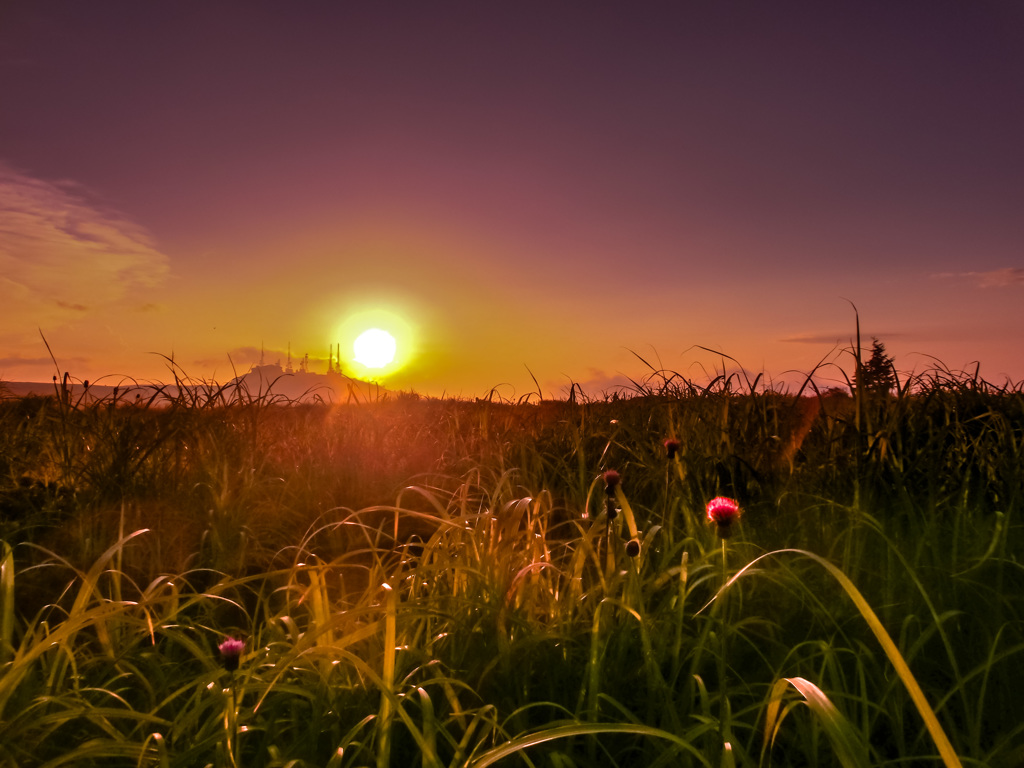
(30, 367)
(19, 362)
(836, 338)
(999, 278)
(993, 278)
(839, 339)
(61, 254)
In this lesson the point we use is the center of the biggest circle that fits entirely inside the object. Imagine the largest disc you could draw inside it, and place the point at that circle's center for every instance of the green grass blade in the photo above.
(518, 744)
(6, 604)
(844, 738)
(387, 679)
(946, 751)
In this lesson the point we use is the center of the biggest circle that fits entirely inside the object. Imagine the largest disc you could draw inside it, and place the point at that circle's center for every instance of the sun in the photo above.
(381, 341)
(374, 348)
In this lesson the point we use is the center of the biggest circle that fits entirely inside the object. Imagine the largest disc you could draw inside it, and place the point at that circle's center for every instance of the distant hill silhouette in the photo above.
(261, 381)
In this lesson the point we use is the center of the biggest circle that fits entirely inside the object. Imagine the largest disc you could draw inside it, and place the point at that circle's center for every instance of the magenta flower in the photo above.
(672, 447)
(723, 511)
(611, 479)
(230, 652)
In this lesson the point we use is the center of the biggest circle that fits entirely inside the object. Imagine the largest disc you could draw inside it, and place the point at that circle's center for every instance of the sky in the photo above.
(528, 195)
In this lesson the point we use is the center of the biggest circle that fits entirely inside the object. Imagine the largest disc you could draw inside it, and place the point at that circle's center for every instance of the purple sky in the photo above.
(510, 185)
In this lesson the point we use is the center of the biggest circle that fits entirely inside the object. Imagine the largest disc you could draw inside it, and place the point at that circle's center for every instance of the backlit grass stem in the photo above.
(946, 751)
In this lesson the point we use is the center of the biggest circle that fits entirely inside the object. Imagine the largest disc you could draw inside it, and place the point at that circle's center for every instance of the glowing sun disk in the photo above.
(374, 348)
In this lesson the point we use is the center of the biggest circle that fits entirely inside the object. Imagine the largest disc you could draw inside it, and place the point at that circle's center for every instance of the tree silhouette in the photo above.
(878, 374)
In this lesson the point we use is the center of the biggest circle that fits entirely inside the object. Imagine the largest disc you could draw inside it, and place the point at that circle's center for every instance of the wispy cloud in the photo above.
(28, 368)
(63, 254)
(993, 278)
(23, 362)
(840, 339)
(821, 338)
(69, 305)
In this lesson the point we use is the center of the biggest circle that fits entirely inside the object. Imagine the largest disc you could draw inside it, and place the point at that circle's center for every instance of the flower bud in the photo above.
(611, 479)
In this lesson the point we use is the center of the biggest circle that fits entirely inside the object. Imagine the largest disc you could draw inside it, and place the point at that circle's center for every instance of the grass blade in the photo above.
(518, 744)
(946, 752)
(6, 604)
(845, 741)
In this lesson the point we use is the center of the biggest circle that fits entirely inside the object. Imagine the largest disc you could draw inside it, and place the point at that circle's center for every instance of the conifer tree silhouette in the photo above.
(878, 375)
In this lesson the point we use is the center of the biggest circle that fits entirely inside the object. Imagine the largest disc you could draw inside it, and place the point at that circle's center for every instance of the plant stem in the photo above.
(723, 712)
(231, 723)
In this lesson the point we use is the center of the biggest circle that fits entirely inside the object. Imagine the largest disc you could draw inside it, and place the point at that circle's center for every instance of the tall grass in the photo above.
(447, 583)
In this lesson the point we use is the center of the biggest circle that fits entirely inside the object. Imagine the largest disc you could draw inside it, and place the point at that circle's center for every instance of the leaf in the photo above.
(844, 738)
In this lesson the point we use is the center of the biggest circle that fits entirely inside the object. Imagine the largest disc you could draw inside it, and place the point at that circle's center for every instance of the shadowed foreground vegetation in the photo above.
(439, 583)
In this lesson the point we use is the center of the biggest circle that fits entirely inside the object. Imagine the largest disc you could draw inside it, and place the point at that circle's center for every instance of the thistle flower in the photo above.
(611, 479)
(723, 511)
(672, 447)
(230, 652)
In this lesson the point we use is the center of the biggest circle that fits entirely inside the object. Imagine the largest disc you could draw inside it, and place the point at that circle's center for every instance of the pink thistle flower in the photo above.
(611, 479)
(230, 652)
(672, 447)
(723, 511)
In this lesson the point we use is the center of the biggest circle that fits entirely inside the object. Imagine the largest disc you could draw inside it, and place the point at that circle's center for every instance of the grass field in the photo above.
(459, 583)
